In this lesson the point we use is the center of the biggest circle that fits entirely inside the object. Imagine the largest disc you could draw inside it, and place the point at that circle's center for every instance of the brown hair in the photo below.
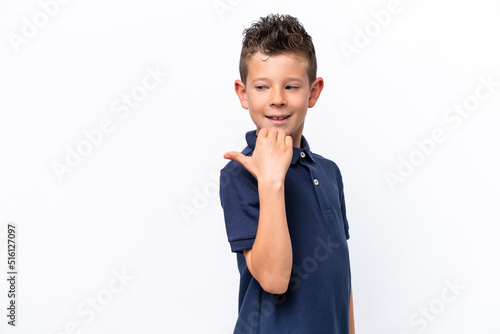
(278, 34)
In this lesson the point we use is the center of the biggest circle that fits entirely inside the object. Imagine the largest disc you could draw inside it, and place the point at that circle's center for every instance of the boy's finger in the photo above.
(281, 136)
(236, 156)
(263, 132)
(231, 155)
(273, 132)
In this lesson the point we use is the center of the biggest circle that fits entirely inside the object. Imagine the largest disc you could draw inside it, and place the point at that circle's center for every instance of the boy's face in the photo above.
(278, 86)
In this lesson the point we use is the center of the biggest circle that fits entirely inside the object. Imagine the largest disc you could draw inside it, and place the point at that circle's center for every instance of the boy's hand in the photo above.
(270, 159)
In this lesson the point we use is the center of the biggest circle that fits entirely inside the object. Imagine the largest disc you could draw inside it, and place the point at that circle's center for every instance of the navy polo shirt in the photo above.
(318, 297)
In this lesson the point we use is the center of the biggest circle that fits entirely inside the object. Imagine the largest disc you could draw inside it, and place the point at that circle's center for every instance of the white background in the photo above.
(120, 208)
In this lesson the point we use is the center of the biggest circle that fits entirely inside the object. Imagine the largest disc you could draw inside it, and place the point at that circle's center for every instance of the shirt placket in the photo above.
(315, 179)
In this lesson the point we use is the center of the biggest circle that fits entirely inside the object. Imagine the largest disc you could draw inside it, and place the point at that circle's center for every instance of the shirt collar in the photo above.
(251, 138)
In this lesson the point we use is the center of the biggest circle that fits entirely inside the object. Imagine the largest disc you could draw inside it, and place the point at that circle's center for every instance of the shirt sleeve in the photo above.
(342, 205)
(240, 201)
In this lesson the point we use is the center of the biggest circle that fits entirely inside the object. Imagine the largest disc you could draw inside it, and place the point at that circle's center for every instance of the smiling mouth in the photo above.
(278, 118)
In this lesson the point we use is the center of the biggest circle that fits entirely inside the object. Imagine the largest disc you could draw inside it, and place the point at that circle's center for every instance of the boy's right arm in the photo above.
(270, 259)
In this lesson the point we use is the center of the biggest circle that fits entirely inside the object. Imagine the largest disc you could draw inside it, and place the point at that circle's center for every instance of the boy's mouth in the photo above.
(278, 117)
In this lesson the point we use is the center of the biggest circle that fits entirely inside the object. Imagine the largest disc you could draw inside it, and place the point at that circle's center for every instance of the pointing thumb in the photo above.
(235, 156)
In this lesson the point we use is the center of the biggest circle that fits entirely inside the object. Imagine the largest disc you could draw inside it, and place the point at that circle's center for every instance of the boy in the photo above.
(283, 205)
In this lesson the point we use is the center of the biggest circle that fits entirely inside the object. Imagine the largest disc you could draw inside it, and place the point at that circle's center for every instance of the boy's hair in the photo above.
(278, 34)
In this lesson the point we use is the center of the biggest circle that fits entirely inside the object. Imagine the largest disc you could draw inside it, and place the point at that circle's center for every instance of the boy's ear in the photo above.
(315, 92)
(241, 91)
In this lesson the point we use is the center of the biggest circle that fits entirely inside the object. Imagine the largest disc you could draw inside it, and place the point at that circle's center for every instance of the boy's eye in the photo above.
(291, 87)
(260, 87)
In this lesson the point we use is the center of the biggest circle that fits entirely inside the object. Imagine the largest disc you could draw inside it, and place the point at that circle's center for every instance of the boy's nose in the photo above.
(277, 98)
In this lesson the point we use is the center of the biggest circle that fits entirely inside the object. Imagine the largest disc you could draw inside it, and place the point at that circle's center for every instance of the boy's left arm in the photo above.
(351, 316)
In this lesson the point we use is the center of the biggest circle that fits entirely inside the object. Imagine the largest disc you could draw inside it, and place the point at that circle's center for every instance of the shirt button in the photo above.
(302, 154)
(316, 182)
